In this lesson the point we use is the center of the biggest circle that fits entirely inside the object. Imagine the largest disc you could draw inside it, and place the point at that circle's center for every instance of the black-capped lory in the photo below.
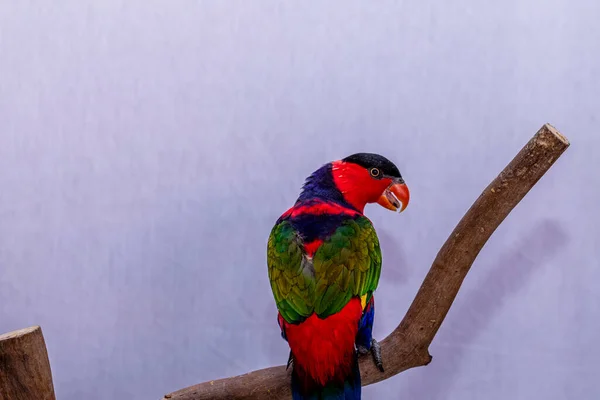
(324, 263)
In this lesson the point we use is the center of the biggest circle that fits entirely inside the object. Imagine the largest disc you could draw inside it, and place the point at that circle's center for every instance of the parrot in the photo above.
(324, 263)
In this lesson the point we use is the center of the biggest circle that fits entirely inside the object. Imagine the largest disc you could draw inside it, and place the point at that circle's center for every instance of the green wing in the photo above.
(347, 264)
(291, 276)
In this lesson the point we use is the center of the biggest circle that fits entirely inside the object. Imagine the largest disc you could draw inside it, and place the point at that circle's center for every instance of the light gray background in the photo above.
(147, 147)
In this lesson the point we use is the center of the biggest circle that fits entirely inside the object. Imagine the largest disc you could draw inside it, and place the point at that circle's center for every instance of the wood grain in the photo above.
(24, 366)
(407, 346)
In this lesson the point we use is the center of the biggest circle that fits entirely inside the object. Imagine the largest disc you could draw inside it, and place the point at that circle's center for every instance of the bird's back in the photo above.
(324, 263)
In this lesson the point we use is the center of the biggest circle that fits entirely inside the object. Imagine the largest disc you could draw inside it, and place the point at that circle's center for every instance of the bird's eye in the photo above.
(375, 172)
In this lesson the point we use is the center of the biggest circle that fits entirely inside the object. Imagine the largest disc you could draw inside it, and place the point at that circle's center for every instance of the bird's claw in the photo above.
(375, 351)
(290, 361)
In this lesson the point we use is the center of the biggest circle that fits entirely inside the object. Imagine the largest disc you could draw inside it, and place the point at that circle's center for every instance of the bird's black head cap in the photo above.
(372, 160)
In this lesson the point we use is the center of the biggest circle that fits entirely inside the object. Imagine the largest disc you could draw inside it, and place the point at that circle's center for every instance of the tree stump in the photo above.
(24, 366)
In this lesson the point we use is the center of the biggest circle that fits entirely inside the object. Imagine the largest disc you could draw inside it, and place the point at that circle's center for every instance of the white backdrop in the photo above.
(147, 147)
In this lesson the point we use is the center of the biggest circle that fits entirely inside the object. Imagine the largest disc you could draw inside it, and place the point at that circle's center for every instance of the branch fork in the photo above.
(407, 346)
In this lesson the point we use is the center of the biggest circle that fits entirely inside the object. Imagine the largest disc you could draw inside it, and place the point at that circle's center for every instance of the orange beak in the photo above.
(395, 197)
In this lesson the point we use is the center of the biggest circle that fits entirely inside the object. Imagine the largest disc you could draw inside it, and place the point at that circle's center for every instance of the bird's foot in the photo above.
(290, 361)
(375, 351)
(362, 350)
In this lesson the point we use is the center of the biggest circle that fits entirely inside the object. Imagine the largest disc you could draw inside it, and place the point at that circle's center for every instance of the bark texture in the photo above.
(24, 366)
(407, 346)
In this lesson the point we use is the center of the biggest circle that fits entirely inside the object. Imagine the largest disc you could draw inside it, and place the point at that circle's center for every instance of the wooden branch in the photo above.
(407, 346)
(24, 366)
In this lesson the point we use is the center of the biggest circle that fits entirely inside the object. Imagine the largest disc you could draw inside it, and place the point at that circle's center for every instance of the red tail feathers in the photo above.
(323, 349)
